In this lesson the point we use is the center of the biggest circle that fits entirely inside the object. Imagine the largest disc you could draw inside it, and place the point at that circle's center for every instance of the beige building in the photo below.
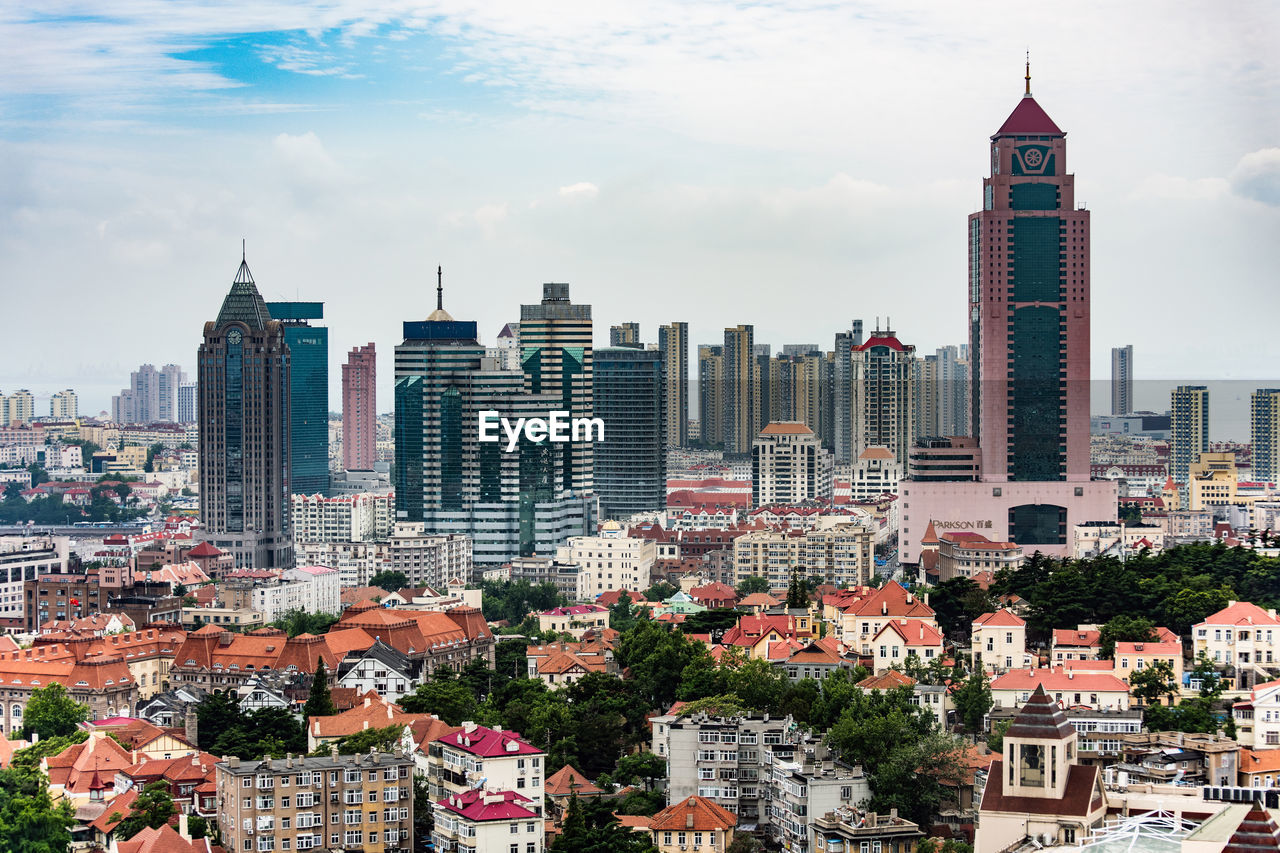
(1069, 687)
(576, 619)
(693, 825)
(1132, 658)
(1257, 718)
(842, 553)
(1037, 790)
(611, 560)
(875, 473)
(350, 802)
(963, 555)
(1242, 636)
(789, 466)
(1000, 642)
(1213, 482)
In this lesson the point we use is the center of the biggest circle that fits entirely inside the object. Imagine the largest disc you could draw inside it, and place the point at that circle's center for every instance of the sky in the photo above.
(789, 165)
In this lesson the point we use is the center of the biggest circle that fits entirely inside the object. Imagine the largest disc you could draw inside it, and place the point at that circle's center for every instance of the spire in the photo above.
(439, 288)
(244, 304)
(1028, 92)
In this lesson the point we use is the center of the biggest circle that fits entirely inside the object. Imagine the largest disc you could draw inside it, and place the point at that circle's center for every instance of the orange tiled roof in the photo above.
(567, 780)
(890, 679)
(75, 767)
(373, 713)
(707, 815)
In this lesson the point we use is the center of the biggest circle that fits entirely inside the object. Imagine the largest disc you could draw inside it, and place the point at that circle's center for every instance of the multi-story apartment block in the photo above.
(477, 821)
(1122, 380)
(842, 553)
(625, 335)
(1243, 638)
(673, 345)
(1000, 641)
(476, 755)
(612, 560)
(740, 381)
(1257, 718)
(789, 465)
(360, 409)
(849, 830)
(428, 560)
(805, 780)
(1189, 430)
(24, 559)
(64, 406)
(358, 802)
(711, 394)
(875, 473)
(882, 398)
(344, 518)
(1264, 419)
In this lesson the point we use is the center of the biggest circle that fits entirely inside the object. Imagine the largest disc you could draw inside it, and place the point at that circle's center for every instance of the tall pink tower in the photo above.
(1029, 307)
(360, 409)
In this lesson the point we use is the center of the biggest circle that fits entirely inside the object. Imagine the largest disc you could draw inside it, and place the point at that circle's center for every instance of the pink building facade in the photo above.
(360, 409)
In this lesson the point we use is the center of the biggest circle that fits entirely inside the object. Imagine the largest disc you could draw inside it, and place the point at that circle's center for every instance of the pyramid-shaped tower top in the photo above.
(1257, 833)
(1028, 117)
(244, 304)
(1040, 719)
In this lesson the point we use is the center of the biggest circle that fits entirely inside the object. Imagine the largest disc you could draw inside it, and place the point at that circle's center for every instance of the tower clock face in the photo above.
(233, 336)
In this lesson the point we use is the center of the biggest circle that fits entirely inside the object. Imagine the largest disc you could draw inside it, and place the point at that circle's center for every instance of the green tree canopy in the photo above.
(750, 584)
(452, 701)
(319, 702)
(1124, 629)
(391, 581)
(51, 712)
(973, 701)
(153, 808)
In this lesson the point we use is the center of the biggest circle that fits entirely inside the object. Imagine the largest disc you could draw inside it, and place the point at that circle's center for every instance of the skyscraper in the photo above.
(1122, 380)
(360, 409)
(1265, 423)
(512, 504)
(630, 463)
(1188, 430)
(883, 394)
(555, 355)
(1029, 307)
(953, 391)
(18, 408)
(673, 344)
(740, 383)
(309, 392)
(711, 394)
(625, 335)
(152, 396)
(244, 388)
(187, 403)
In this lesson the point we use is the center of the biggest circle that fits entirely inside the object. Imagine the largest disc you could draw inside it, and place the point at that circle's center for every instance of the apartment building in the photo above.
(841, 553)
(350, 802)
(1242, 636)
(24, 559)
(612, 560)
(1000, 641)
(963, 555)
(1257, 718)
(343, 518)
(479, 821)
(805, 780)
(428, 559)
(478, 755)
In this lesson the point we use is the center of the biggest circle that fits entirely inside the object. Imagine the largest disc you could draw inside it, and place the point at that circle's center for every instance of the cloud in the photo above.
(1257, 176)
(1176, 188)
(306, 156)
(582, 189)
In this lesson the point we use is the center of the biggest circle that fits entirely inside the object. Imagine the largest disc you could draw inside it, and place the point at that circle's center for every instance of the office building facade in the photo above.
(360, 409)
(630, 462)
(1265, 430)
(740, 385)
(309, 394)
(244, 407)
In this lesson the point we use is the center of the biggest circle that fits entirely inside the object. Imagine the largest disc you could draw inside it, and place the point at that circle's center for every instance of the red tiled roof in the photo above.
(1028, 117)
(892, 599)
(786, 428)
(488, 743)
(694, 814)
(1001, 618)
(1058, 679)
(890, 679)
(567, 780)
(480, 805)
(1241, 613)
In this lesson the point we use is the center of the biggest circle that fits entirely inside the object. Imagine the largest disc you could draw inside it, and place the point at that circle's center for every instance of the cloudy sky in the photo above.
(789, 165)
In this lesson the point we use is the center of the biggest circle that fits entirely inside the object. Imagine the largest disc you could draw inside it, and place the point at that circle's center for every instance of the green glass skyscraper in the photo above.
(630, 463)
(309, 420)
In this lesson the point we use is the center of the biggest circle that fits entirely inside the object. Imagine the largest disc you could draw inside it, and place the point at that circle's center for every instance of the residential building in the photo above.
(899, 639)
(953, 390)
(863, 616)
(360, 409)
(611, 560)
(308, 344)
(630, 460)
(847, 829)
(245, 462)
(1067, 686)
(789, 465)
(22, 560)
(841, 553)
(625, 335)
(883, 374)
(1265, 433)
(511, 504)
(1037, 789)
(559, 664)
(476, 755)
(352, 802)
(361, 517)
(694, 824)
(711, 405)
(739, 389)
(1189, 430)
(576, 619)
(102, 682)
(152, 396)
(1000, 642)
(428, 560)
(876, 473)
(934, 698)
(944, 460)
(673, 347)
(64, 406)
(483, 820)
(1134, 657)
(1244, 639)
(1122, 380)
(17, 409)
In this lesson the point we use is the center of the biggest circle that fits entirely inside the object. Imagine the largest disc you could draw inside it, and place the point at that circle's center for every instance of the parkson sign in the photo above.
(559, 428)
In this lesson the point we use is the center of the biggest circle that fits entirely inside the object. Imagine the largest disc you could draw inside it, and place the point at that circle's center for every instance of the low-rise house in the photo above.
(1179, 758)
(1259, 768)
(862, 618)
(936, 698)
(694, 824)
(481, 820)
(1082, 643)
(144, 737)
(1066, 687)
(189, 779)
(169, 709)
(1000, 641)
(1257, 718)
(1243, 637)
(373, 712)
(86, 770)
(1132, 658)
(901, 638)
(562, 785)
(558, 664)
(816, 659)
(383, 669)
(574, 620)
(714, 596)
(962, 555)
(756, 632)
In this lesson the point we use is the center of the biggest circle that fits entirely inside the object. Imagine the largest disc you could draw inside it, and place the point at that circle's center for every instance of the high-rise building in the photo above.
(1189, 429)
(187, 403)
(64, 405)
(1265, 423)
(244, 405)
(360, 409)
(555, 355)
(673, 344)
(308, 345)
(516, 503)
(711, 395)
(1029, 307)
(630, 463)
(1029, 293)
(741, 380)
(1122, 380)
(953, 390)
(508, 346)
(152, 396)
(883, 371)
(924, 378)
(788, 465)
(625, 335)
(842, 393)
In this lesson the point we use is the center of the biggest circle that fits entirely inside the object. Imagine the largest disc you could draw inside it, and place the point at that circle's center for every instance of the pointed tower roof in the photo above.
(440, 315)
(1028, 117)
(244, 304)
(1257, 833)
(930, 536)
(1041, 719)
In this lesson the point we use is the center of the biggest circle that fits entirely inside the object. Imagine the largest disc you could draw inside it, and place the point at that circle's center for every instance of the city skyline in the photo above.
(360, 145)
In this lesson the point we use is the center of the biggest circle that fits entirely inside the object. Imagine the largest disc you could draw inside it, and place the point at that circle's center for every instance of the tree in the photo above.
(319, 702)
(1154, 681)
(622, 615)
(750, 584)
(51, 712)
(197, 826)
(29, 822)
(380, 739)
(390, 581)
(973, 700)
(644, 767)
(995, 740)
(38, 474)
(452, 701)
(1124, 629)
(298, 621)
(744, 842)
(152, 808)
(797, 591)
(660, 591)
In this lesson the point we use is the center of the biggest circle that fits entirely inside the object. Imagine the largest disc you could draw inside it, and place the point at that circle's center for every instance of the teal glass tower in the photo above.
(630, 463)
(309, 421)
